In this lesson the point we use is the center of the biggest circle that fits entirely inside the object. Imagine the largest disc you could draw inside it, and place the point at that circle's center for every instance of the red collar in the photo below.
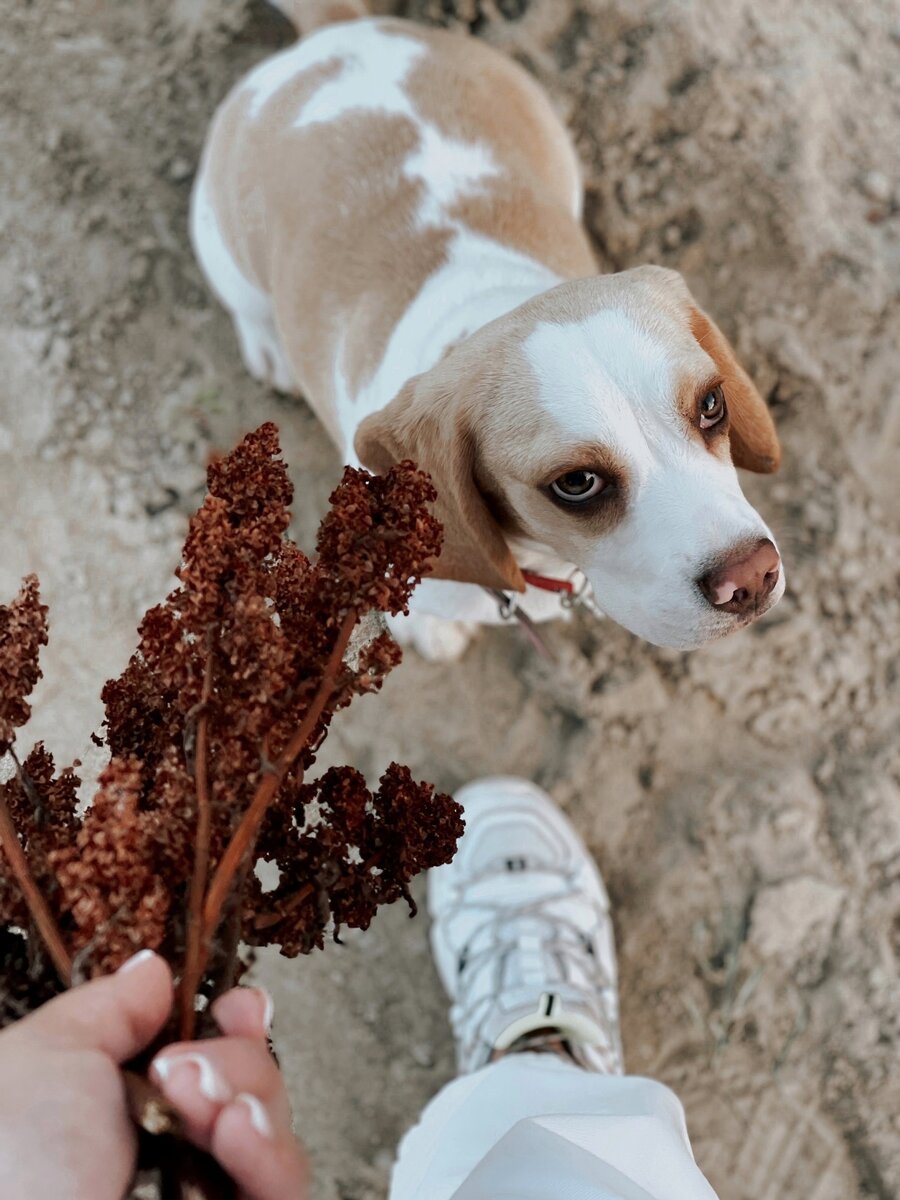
(547, 584)
(508, 606)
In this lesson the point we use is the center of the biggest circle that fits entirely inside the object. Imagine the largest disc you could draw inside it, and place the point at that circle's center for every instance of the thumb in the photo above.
(117, 1015)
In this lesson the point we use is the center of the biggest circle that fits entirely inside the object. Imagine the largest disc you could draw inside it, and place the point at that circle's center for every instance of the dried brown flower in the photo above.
(42, 807)
(358, 853)
(211, 728)
(107, 882)
(23, 630)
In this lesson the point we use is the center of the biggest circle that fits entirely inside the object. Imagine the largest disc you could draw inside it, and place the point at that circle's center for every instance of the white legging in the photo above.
(535, 1127)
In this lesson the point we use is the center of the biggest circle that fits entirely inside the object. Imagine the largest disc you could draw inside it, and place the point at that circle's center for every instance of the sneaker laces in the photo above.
(530, 935)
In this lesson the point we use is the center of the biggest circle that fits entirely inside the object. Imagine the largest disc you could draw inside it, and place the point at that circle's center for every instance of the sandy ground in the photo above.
(742, 800)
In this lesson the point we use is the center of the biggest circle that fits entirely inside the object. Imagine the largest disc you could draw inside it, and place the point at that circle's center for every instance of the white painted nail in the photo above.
(129, 964)
(259, 1118)
(268, 1010)
(210, 1082)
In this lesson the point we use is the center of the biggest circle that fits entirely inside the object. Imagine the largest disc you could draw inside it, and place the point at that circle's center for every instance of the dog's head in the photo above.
(603, 421)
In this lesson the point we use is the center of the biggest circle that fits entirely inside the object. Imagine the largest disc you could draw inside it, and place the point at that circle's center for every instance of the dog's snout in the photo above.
(741, 583)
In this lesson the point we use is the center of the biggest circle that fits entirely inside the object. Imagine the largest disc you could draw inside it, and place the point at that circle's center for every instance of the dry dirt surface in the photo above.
(742, 800)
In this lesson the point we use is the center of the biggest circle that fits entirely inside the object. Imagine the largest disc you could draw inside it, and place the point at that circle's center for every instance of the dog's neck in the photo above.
(480, 281)
(540, 559)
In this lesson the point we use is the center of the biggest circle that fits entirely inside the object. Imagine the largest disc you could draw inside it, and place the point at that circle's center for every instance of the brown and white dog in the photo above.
(392, 217)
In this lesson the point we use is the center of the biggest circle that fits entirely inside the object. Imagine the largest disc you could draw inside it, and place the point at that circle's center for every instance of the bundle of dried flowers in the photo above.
(211, 729)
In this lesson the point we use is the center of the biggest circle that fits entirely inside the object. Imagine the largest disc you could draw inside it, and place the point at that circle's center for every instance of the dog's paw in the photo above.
(435, 638)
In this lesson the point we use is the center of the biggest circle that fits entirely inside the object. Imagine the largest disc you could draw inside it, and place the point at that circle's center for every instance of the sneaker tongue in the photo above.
(531, 961)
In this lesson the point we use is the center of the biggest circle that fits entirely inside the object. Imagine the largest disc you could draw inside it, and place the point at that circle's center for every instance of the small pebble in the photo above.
(384, 1159)
(632, 186)
(180, 169)
(422, 1054)
(876, 186)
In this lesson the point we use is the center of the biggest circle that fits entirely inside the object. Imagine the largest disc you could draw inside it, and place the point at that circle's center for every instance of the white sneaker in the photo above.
(522, 934)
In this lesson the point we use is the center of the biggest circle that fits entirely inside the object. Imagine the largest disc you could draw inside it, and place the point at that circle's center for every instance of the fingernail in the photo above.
(129, 964)
(209, 1081)
(259, 1118)
(268, 1008)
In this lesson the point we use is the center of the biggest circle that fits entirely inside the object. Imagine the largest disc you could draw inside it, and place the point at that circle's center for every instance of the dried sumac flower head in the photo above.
(211, 729)
(359, 852)
(23, 630)
(117, 901)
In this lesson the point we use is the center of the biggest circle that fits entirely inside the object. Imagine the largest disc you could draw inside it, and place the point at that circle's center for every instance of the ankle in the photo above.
(541, 1041)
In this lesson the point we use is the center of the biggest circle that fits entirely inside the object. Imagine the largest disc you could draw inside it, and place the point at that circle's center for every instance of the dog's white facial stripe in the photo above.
(680, 523)
(596, 377)
(607, 382)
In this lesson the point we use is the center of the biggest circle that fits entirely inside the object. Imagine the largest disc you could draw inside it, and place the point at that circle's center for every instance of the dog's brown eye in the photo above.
(712, 408)
(577, 486)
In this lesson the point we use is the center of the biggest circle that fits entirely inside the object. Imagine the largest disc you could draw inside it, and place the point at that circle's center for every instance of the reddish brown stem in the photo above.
(228, 935)
(245, 835)
(37, 905)
(267, 920)
(195, 953)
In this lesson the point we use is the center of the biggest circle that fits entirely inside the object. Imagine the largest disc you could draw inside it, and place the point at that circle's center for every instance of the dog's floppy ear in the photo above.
(754, 442)
(432, 427)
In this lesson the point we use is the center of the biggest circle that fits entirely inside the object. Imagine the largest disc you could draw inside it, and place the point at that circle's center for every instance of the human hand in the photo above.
(232, 1101)
(64, 1126)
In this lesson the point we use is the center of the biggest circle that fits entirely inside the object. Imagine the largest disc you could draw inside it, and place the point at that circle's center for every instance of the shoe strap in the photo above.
(551, 1012)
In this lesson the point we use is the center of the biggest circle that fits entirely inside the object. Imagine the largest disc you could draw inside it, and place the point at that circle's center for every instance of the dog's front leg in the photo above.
(445, 616)
(435, 638)
(443, 619)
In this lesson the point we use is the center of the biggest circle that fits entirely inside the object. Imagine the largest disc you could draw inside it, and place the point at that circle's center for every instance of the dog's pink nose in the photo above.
(741, 584)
